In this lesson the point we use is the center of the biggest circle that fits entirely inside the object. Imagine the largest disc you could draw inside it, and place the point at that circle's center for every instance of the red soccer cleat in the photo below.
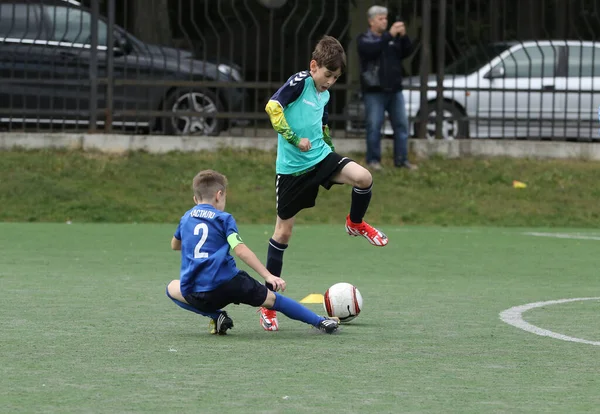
(268, 319)
(374, 236)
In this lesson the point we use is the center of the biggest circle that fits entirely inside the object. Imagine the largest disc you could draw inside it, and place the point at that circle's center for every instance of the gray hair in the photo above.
(376, 11)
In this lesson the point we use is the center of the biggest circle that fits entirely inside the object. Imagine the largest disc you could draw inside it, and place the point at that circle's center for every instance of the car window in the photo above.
(531, 62)
(72, 25)
(475, 58)
(20, 21)
(581, 61)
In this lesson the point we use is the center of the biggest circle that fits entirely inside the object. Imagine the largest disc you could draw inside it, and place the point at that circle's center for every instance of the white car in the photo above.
(531, 89)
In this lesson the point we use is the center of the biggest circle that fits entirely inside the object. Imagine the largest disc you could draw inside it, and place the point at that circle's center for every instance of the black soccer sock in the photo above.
(361, 197)
(275, 259)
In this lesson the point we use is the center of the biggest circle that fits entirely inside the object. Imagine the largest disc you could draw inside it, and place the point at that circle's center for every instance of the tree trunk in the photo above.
(150, 21)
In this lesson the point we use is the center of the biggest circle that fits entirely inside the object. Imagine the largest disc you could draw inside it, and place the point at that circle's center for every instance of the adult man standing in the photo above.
(380, 53)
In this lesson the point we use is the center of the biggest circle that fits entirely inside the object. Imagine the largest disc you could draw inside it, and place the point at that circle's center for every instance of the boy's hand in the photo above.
(277, 282)
(304, 144)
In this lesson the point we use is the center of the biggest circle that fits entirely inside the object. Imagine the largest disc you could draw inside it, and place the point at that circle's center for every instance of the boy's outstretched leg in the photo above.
(219, 322)
(299, 312)
(362, 181)
(374, 236)
(361, 198)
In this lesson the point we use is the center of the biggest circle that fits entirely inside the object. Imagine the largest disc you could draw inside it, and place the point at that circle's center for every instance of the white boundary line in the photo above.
(563, 236)
(514, 317)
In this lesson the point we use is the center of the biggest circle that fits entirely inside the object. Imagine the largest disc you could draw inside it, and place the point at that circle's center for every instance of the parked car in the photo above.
(45, 50)
(545, 88)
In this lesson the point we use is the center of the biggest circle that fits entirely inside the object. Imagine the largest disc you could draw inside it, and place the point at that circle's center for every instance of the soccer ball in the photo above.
(344, 301)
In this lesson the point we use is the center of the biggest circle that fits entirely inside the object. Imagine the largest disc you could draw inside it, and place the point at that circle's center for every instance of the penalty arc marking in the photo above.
(514, 317)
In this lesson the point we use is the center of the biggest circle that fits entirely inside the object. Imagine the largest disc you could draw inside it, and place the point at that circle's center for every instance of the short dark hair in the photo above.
(330, 53)
(207, 183)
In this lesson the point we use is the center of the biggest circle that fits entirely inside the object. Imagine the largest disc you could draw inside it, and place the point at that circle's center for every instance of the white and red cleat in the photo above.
(268, 319)
(374, 236)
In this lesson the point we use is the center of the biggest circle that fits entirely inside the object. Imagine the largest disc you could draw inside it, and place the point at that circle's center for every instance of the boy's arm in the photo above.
(284, 96)
(176, 240)
(326, 134)
(243, 252)
(280, 124)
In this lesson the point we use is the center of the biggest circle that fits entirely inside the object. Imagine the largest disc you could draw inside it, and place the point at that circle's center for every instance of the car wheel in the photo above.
(203, 101)
(453, 124)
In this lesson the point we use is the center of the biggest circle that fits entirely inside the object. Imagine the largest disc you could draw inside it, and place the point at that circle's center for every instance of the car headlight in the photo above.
(229, 71)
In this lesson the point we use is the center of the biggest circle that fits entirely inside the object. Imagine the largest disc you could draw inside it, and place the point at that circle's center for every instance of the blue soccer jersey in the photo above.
(205, 259)
(297, 110)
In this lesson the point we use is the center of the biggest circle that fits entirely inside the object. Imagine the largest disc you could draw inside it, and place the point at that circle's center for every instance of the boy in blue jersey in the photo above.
(209, 278)
(306, 159)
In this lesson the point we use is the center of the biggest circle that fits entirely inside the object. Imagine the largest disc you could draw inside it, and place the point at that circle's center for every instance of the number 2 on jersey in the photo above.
(204, 228)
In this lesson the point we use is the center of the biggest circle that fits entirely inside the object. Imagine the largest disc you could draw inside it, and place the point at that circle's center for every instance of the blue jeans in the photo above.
(376, 103)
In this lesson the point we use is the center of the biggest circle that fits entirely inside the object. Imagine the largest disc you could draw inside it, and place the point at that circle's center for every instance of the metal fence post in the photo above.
(441, 48)
(93, 107)
(110, 61)
(424, 69)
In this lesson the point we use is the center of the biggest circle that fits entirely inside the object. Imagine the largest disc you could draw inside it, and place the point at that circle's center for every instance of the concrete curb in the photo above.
(117, 144)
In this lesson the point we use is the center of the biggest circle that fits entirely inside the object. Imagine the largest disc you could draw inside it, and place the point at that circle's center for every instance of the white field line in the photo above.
(514, 317)
(575, 236)
(564, 236)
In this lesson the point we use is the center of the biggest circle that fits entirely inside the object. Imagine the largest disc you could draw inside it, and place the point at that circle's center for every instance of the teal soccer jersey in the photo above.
(305, 111)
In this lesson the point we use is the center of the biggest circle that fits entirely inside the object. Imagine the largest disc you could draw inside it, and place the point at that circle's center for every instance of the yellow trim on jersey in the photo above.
(279, 122)
(327, 137)
(234, 239)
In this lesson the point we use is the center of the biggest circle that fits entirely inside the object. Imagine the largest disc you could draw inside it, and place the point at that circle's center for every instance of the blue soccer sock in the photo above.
(361, 197)
(275, 259)
(295, 310)
(187, 306)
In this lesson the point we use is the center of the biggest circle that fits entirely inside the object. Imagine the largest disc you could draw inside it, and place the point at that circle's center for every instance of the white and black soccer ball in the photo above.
(344, 301)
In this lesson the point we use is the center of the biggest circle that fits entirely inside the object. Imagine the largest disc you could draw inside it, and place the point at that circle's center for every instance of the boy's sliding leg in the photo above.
(299, 312)
(219, 322)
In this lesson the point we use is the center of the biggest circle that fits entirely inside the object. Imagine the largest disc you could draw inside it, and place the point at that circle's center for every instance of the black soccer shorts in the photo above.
(297, 192)
(243, 288)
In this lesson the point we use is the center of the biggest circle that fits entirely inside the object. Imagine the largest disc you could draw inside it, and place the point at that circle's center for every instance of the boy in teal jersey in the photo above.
(209, 278)
(306, 159)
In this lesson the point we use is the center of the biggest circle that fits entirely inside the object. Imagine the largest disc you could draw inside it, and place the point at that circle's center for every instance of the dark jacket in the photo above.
(388, 52)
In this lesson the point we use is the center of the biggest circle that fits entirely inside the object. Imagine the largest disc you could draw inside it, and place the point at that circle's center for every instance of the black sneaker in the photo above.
(329, 325)
(224, 322)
